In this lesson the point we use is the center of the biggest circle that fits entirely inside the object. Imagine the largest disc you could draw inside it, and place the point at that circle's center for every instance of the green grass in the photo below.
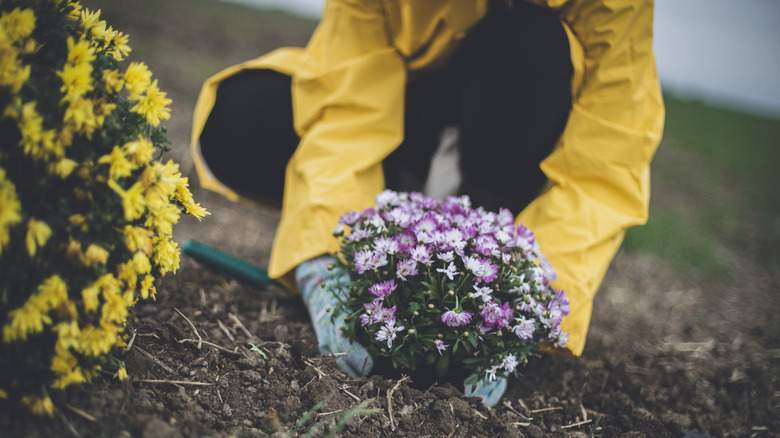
(714, 190)
(743, 143)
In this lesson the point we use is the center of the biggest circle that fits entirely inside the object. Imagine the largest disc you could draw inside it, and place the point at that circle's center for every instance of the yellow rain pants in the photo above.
(348, 97)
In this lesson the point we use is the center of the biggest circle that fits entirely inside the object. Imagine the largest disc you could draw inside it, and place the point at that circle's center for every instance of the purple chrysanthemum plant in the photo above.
(441, 284)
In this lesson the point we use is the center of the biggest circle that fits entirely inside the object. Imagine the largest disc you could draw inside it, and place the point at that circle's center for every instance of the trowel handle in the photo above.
(241, 269)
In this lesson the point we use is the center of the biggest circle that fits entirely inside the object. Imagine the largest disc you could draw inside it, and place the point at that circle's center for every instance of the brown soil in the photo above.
(668, 352)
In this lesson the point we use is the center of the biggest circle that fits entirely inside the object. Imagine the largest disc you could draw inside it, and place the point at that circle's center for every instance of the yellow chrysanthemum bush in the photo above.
(87, 205)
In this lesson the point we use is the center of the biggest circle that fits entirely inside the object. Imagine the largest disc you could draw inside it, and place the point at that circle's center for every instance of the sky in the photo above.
(726, 52)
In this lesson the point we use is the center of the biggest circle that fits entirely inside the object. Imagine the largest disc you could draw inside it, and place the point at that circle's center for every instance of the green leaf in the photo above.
(443, 365)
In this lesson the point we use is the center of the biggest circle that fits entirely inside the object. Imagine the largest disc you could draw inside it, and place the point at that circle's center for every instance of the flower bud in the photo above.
(500, 333)
(330, 266)
(440, 336)
(431, 306)
(465, 334)
(416, 313)
(412, 331)
(428, 292)
(450, 292)
(470, 295)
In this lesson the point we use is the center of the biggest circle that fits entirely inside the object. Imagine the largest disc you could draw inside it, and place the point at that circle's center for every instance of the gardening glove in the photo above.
(312, 277)
(490, 391)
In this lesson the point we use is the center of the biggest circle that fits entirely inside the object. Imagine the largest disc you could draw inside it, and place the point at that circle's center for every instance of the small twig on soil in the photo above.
(202, 298)
(522, 404)
(322, 414)
(132, 339)
(240, 325)
(508, 405)
(155, 360)
(173, 382)
(320, 374)
(226, 331)
(519, 424)
(480, 414)
(209, 344)
(219, 396)
(70, 426)
(200, 340)
(390, 401)
(579, 423)
(81, 413)
(536, 411)
(344, 388)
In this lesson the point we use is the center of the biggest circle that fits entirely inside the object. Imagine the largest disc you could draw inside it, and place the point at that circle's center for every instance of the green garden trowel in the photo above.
(238, 268)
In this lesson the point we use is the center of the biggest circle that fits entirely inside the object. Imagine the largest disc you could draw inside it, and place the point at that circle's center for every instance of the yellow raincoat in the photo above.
(348, 99)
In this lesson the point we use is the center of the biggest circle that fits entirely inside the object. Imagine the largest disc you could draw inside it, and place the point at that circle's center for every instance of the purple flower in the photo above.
(383, 288)
(450, 271)
(481, 268)
(440, 345)
(383, 314)
(509, 363)
(421, 254)
(524, 328)
(524, 238)
(350, 218)
(363, 261)
(482, 292)
(406, 268)
(388, 332)
(386, 245)
(495, 316)
(456, 318)
(486, 245)
(446, 256)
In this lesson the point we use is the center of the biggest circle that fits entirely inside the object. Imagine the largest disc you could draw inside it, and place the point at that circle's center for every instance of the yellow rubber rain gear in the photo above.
(348, 98)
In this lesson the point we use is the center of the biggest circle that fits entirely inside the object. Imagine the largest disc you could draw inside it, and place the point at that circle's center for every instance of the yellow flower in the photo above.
(120, 166)
(76, 81)
(81, 52)
(3, 394)
(95, 341)
(31, 127)
(162, 215)
(133, 200)
(138, 239)
(25, 320)
(95, 255)
(79, 222)
(184, 196)
(137, 79)
(113, 80)
(153, 105)
(147, 287)
(166, 255)
(51, 293)
(139, 151)
(63, 168)
(121, 373)
(128, 275)
(89, 297)
(38, 232)
(75, 12)
(18, 24)
(39, 404)
(90, 20)
(121, 48)
(141, 263)
(81, 115)
(10, 209)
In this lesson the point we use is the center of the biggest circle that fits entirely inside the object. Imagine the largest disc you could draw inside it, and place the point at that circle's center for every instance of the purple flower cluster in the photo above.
(452, 276)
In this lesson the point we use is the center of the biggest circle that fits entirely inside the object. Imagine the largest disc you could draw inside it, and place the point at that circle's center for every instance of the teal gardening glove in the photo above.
(352, 357)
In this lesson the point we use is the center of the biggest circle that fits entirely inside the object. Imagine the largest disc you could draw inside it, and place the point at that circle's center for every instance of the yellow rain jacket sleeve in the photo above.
(348, 90)
(599, 171)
